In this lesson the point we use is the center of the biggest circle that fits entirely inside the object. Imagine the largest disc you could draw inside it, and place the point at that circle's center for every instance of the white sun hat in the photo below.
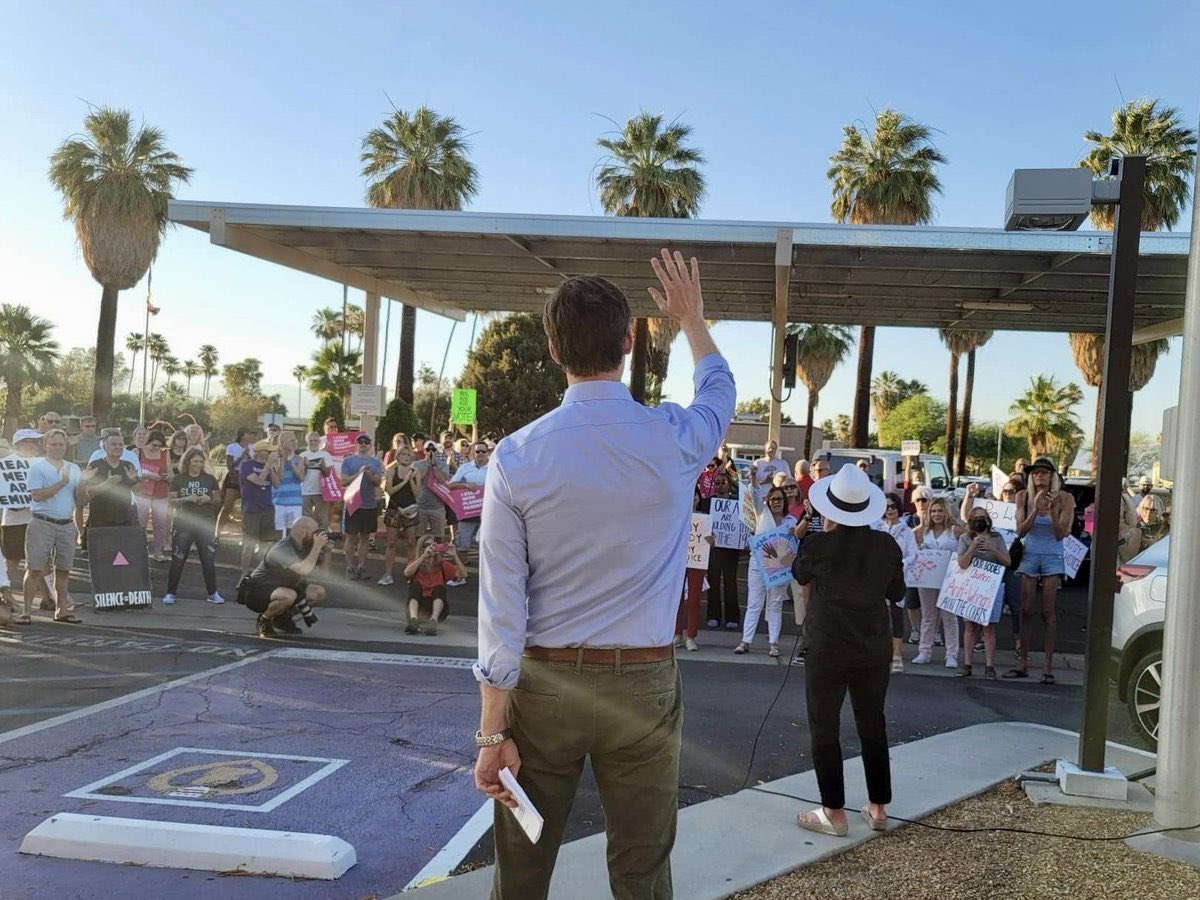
(848, 498)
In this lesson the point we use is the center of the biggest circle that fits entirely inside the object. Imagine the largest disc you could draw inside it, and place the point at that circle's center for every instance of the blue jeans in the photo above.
(465, 534)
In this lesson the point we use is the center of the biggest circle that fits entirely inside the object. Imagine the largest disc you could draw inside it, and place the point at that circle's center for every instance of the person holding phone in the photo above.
(436, 565)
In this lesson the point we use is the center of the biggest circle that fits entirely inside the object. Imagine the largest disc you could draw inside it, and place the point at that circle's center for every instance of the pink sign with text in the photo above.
(466, 504)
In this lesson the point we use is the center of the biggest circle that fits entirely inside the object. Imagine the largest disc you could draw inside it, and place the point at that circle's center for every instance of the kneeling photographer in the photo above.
(278, 588)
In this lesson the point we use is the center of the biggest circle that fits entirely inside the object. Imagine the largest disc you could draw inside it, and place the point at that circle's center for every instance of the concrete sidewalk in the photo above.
(733, 843)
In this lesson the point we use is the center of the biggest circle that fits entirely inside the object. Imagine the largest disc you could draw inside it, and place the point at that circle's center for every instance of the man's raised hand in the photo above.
(681, 287)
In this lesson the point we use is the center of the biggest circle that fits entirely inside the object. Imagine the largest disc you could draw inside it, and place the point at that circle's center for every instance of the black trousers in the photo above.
(827, 680)
(181, 548)
(722, 583)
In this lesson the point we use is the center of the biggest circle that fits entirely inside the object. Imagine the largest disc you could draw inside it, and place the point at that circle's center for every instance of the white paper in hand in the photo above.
(527, 815)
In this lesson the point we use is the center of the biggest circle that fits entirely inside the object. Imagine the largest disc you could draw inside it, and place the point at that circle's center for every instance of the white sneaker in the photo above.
(690, 643)
(897, 665)
(168, 599)
(215, 598)
(951, 662)
(386, 580)
(922, 659)
(456, 582)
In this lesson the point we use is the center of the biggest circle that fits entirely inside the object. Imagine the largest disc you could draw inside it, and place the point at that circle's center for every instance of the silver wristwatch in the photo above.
(491, 740)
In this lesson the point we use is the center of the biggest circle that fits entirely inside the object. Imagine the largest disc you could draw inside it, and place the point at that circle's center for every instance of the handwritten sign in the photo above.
(927, 569)
(725, 517)
(910, 448)
(14, 493)
(971, 592)
(698, 545)
(1074, 550)
(773, 552)
(463, 406)
(1004, 515)
(746, 499)
(466, 504)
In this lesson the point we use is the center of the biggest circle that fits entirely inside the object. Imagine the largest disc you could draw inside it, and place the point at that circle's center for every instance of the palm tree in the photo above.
(190, 370)
(959, 341)
(332, 372)
(27, 357)
(158, 350)
(889, 390)
(651, 172)
(1158, 132)
(134, 344)
(968, 397)
(208, 356)
(1045, 413)
(171, 367)
(819, 350)
(115, 182)
(327, 324)
(356, 323)
(887, 178)
(416, 161)
(299, 372)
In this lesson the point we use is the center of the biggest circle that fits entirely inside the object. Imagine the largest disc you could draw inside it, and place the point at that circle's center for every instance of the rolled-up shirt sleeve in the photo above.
(503, 579)
(700, 426)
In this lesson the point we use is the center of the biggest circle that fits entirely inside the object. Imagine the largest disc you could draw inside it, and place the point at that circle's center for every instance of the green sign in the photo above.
(462, 409)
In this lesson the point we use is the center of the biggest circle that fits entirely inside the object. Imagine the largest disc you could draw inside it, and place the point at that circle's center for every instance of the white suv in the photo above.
(1137, 638)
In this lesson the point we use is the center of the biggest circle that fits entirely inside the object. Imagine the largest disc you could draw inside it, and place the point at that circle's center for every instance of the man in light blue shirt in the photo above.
(582, 555)
(53, 482)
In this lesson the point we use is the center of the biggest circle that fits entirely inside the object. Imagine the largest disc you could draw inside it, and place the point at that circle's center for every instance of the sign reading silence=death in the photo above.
(119, 567)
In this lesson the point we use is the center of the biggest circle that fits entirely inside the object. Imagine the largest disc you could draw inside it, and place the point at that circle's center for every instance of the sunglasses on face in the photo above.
(892, 506)
(922, 500)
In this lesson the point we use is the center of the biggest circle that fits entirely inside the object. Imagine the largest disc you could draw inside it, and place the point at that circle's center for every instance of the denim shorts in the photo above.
(1035, 563)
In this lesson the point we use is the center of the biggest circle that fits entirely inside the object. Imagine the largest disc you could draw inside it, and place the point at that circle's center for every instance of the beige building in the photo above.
(747, 436)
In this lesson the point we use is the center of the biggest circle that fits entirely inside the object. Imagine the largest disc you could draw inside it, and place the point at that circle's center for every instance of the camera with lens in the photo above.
(305, 609)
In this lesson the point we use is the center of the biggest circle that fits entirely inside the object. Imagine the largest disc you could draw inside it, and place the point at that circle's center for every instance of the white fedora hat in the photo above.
(848, 498)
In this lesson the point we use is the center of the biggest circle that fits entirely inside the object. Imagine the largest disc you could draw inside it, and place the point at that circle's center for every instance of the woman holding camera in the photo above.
(982, 542)
(427, 575)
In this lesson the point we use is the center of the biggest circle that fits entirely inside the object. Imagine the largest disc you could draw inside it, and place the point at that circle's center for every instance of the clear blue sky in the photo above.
(268, 102)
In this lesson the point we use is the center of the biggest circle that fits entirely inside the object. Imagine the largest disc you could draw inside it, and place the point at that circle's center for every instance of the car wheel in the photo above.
(1144, 696)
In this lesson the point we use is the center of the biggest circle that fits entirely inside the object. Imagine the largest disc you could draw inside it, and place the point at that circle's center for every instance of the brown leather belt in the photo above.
(593, 656)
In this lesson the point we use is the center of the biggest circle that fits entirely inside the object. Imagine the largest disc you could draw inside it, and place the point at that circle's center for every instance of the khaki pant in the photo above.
(628, 720)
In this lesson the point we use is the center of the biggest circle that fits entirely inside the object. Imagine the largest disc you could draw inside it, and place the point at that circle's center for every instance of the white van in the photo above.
(886, 468)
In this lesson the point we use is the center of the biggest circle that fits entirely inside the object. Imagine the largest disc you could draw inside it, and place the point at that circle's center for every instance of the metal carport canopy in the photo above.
(452, 262)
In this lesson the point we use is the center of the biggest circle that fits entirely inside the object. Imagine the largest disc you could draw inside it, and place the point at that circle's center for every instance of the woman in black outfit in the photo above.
(855, 571)
(723, 565)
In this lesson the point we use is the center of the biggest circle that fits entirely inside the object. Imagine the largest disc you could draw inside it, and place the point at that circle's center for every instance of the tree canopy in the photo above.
(511, 368)
(919, 418)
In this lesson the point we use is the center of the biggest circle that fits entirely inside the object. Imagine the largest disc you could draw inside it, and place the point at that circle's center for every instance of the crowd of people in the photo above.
(289, 508)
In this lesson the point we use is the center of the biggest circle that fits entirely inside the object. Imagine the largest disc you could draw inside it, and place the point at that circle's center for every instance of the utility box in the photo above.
(1047, 199)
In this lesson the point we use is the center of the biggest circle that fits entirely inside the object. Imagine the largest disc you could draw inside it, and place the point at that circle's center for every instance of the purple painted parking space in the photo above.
(375, 753)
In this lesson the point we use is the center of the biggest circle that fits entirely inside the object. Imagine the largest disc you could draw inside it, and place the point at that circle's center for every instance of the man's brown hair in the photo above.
(587, 320)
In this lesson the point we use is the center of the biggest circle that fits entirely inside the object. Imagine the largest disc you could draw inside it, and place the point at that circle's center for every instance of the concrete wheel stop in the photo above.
(178, 845)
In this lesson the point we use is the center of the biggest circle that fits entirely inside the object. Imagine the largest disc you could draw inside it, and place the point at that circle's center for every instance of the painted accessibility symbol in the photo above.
(216, 779)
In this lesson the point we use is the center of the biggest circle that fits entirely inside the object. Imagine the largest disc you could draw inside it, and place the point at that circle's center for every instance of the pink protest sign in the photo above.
(466, 504)
(353, 495)
(340, 444)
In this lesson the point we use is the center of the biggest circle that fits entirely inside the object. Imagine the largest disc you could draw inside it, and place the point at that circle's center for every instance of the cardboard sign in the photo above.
(14, 493)
(1074, 550)
(119, 566)
(971, 592)
(698, 546)
(773, 552)
(466, 504)
(463, 406)
(910, 448)
(340, 444)
(725, 516)
(927, 569)
(746, 499)
(1004, 515)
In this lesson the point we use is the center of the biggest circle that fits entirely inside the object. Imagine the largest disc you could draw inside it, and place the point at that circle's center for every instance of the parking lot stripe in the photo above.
(449, 857)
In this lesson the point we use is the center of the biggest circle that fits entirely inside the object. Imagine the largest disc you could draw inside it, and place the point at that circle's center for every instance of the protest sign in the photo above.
(910, 448)
(463, 405)
(725, 516)
(927, 569)
(971, 592)
(1074, 550)
(14, 494)
(466, 504)
(773, 552)
(698, 545)
(1089, 519)
(353, 495)
(746, 499)
(999, 480)
(340, 444)
(1004, 515)
(1007, 536)
(119, 567)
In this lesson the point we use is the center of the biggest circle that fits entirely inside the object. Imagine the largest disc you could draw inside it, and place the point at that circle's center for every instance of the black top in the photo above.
(195, 515)
(854, 571)
(113, 503)
(275, 569)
